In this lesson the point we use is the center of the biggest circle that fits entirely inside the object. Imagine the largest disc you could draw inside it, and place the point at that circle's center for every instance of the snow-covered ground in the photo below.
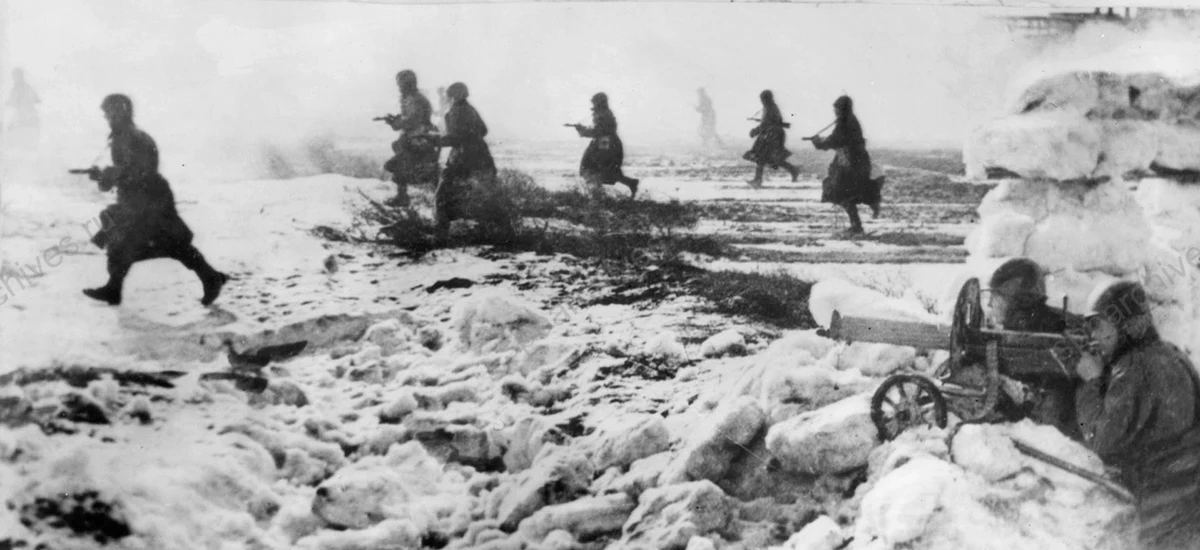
(518, 412)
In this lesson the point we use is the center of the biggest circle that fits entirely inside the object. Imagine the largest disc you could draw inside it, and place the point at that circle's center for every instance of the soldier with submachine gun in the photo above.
(143, 224)
(416, 151)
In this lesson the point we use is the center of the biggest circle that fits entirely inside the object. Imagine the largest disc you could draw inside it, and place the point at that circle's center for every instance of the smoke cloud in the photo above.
(213, 81)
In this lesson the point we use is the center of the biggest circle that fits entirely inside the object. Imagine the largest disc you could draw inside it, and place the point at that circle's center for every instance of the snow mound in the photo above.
(1087, 123)
(666, 344)
(990, 496)
(727, 342)
(832, 295)
(829, 440)
(495, 321)
(177, 495)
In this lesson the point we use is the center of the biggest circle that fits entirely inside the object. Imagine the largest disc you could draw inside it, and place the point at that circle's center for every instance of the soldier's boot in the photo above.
(104, 294)
(758, 177)
(856, 227)
(212, 279)
(794, 171)
(632, 184)
(118, 268)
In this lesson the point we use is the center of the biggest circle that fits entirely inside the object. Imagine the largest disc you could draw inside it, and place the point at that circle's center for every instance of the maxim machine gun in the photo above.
(969, 382)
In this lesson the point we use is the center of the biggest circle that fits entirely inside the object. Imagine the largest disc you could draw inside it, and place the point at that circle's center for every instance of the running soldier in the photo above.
(143, 224)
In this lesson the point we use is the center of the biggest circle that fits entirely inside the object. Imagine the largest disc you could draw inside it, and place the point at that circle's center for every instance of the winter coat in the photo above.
(469, 153)
(469, 157)
(416, 151)
(143, 223)
(605, 154)
(770, 140)
(849, 180)
(1142, 417)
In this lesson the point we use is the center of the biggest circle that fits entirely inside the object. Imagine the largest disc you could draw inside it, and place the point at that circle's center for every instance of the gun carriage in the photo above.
(969, 383)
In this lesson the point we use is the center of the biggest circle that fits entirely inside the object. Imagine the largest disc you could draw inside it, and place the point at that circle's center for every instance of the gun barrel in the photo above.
(81, 170)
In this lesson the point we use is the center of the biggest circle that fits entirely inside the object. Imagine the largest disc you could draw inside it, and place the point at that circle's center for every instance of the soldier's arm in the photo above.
(1110, 418)
(836, 140)
(454, 131)
(109, 177)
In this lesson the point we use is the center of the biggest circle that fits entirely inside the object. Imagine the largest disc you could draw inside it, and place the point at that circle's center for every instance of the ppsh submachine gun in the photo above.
(969, 382)
(93, 172)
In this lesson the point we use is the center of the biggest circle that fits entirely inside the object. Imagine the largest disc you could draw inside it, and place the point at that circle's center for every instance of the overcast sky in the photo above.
(213, 70)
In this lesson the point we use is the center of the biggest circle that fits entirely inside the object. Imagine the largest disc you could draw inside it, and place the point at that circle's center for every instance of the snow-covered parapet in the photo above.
(1128, 111)
(989, 495)
(1126, 115)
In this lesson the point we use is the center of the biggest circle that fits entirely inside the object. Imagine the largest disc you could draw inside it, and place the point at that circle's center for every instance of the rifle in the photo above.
(576, 125)
(785, 124)
(93, 172)
(388, 118)
(1113, 487)
(818, 132)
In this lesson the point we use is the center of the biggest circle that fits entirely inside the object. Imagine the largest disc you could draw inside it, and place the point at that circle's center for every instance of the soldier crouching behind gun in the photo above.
(416, 151)
(1139, 409)
(143, 224)
(1017, 302)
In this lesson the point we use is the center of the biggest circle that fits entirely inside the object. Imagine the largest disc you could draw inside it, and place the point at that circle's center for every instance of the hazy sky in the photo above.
(223, 71)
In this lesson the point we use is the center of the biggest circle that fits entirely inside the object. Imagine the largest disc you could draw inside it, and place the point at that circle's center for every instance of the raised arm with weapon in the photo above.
(784, 124)
(817, 134)
(93, 172)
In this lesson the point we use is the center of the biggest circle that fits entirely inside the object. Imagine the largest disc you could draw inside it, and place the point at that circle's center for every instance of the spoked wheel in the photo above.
(904, 401)
(966, 328)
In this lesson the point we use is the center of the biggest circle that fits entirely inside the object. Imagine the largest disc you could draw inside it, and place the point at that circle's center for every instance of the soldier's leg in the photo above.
(445, 207)
(855, 221)
(791, 169)
(119, 264)
(192, 259)
(758, 176)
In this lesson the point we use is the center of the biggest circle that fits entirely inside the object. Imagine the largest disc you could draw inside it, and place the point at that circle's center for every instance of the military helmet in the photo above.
(1019, 278)
(118, 103)
(406, 79)
(1120, 301)
(845, 104)
(457, 91)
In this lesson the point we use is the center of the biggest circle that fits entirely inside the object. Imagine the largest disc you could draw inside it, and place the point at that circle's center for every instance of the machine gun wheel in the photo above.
(904, 401)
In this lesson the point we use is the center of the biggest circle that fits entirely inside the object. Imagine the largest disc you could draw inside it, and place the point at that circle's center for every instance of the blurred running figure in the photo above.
(708, 120)
(849, 182)
(143, 224)
(770, 138)
(605, 154)
(469, 159)
(25, 129)
(416, 151)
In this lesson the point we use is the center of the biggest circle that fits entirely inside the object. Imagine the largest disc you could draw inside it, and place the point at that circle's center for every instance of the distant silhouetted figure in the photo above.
(708, 119)
(770, 140)
(143, 224)
(469, 158)
(849, 182)
(416, 150)
(24, 131)
(605, 154)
